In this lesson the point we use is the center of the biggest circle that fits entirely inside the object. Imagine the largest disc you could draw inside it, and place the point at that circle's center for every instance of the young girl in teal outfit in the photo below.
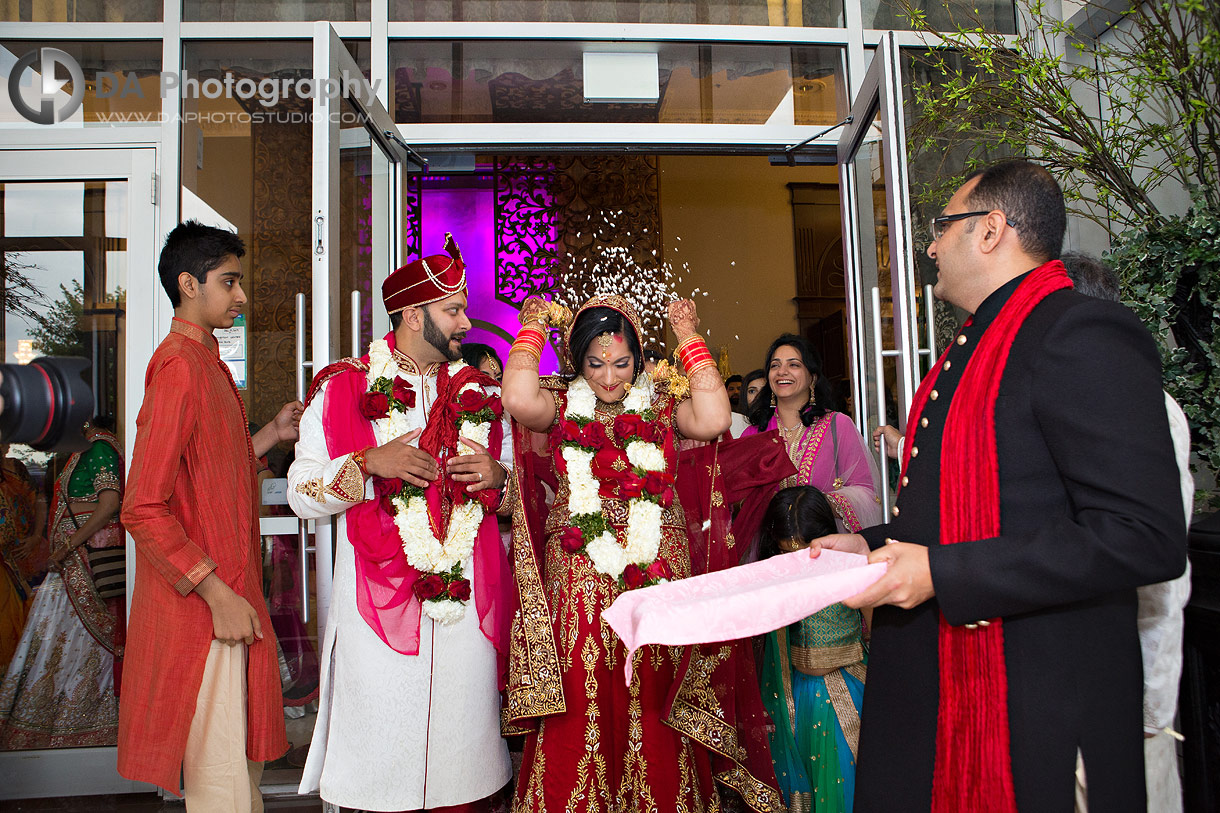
(813, 673)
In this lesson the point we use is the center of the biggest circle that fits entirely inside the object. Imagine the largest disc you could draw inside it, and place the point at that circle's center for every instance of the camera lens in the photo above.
(46, 403)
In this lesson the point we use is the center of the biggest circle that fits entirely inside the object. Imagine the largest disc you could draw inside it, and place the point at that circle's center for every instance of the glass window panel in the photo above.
(272, 10)
(57, 305)
(122, 80)
(246, 167)
(81, 11)
(116, 209)
(44, 209)
(934, 159)
(481, 81)
(942, 15)
(822, 13)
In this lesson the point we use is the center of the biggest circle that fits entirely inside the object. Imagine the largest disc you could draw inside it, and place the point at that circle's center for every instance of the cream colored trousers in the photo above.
(217, 777)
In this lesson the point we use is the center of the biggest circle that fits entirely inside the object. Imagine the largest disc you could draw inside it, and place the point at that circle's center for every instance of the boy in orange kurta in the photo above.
(202, 688)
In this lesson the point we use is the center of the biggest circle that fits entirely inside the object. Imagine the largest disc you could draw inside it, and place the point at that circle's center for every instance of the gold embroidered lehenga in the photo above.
(17, 505)
(60, 688)
(594, 743)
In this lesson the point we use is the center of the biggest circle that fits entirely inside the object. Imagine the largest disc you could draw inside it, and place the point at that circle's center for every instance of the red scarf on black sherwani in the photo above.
(973, 763)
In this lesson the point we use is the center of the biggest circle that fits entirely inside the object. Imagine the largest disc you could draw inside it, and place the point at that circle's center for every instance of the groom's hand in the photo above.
(480, 469)
(398, 458)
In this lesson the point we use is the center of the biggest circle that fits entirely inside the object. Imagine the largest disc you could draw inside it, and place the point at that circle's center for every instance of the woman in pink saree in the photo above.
(824, 446)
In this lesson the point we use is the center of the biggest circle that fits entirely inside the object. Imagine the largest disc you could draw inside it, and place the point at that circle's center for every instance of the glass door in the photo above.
(354, 244)
(889, 312)
(77, 239)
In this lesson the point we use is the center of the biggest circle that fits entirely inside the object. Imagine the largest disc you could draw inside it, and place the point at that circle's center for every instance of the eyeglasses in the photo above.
(939, 224)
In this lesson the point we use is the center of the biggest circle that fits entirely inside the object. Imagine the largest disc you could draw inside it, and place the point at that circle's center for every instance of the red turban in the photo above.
(428, 279)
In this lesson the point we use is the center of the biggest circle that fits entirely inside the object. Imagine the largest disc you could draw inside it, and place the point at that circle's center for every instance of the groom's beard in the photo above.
(434, 337)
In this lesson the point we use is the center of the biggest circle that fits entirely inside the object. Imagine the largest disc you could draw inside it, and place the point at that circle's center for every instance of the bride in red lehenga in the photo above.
(691, 716)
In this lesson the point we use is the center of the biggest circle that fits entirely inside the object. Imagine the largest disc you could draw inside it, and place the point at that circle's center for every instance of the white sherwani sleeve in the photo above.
(319, 485)
(1161, 605)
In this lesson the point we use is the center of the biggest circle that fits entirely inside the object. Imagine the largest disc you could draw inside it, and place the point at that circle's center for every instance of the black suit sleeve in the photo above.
(1098, 406)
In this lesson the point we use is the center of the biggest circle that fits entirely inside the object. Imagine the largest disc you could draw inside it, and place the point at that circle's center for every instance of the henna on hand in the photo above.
(706, 380)
(683, 319)
(521, 360)
(533, 309)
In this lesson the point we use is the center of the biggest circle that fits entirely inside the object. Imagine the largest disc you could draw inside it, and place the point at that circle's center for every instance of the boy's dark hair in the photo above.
(732, 378)
(196, 249)
(1031, 200)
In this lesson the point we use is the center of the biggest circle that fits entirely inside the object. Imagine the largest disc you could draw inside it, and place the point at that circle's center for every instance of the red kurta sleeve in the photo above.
(167, 420)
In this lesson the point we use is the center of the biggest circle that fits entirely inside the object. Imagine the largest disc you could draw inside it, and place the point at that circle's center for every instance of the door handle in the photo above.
(302, 530)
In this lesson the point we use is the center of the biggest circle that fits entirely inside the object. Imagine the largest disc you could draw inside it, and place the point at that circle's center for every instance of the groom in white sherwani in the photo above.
(410, 448)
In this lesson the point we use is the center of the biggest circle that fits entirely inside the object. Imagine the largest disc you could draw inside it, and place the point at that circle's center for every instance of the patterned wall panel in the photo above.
(571, 226)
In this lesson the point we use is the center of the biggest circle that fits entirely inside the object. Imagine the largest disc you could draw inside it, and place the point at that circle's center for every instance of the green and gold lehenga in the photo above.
(60, 688)
(817, 717)
(17, 500)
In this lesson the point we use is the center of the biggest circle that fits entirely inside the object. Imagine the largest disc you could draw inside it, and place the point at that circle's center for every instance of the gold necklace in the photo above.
(788, 433)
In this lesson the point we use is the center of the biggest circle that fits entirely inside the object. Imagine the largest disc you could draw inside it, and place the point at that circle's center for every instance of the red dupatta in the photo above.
(384, 580)
(973, 762)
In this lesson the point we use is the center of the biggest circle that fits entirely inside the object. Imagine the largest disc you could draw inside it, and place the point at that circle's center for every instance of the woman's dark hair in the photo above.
(593, 323)
(800, 512)
(473, 354)
(752, 375)
(196, 249)
(761, 410)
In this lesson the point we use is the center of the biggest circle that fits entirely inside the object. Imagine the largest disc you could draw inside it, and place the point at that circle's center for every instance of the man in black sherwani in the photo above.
(1004, 648)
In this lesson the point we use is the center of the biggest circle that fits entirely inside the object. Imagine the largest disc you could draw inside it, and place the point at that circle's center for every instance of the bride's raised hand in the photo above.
(683, 320)
(534, 309)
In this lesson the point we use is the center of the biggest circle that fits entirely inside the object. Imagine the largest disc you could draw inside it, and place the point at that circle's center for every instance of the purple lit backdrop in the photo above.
(470, 215)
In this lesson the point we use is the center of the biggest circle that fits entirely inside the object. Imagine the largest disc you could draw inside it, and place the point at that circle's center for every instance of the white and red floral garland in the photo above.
(444, 565)
(636, 470)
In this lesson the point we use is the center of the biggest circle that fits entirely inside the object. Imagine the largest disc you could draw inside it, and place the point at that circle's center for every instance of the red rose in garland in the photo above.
(634, 577)
(474, 401)
(403, 392)
(459, 589)
(631, 486)
(655, 482)
(430, 586)
(659, 570)
(593, 436)
(572, 540)
(569, 432)
(374, 405)
(667, 497)
(629, 426)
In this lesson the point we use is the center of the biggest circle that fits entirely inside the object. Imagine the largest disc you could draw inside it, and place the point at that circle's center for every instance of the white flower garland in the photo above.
(643, 536)
(424, 551)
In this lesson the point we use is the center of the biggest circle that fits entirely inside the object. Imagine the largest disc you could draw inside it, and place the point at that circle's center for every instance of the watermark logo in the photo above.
(49, 60)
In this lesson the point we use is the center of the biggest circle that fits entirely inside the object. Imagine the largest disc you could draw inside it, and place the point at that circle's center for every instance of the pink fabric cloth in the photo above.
(739, 602)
